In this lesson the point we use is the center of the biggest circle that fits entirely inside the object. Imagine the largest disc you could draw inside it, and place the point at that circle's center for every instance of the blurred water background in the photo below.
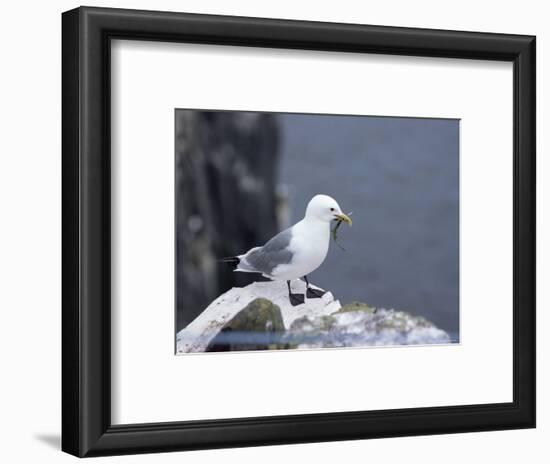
(241, 177)
(400, 177)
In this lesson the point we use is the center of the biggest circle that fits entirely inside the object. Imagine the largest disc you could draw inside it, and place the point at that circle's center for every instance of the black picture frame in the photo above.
(86, 223)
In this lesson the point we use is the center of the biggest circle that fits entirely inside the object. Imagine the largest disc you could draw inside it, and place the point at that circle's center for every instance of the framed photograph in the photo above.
(285, 231)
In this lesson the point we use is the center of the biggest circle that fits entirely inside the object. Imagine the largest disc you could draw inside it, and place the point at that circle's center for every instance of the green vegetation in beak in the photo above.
(343, 218)
(340, 218)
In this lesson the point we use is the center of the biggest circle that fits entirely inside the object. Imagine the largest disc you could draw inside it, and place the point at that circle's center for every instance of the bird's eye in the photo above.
(332, 209)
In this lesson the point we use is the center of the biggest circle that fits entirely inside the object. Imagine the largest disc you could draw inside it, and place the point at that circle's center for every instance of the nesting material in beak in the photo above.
(344, 218)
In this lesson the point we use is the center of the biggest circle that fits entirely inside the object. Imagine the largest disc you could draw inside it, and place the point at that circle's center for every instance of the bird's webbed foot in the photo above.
(314, 293)
(296, 299)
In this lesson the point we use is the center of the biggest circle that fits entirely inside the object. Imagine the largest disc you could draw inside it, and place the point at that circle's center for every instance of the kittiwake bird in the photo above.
(296, 251)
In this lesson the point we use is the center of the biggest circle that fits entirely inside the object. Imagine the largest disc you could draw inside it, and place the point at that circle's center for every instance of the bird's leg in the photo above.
(295, 298)
(313, 292)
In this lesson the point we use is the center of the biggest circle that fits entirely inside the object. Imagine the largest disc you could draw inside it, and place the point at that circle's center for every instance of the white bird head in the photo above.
(325, 208)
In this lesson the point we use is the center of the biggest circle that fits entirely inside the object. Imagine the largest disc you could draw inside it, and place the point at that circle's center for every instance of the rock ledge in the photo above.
(260, 317)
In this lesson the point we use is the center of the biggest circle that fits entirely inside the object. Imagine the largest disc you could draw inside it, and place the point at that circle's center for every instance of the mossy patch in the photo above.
(260, 315)
(327, 322)
(258, 326)
(356, 306)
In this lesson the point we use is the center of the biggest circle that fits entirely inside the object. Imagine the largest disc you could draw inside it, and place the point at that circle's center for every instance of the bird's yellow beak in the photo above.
(344, 218)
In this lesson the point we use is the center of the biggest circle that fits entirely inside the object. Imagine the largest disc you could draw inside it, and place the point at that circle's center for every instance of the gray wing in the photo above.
(273, 253)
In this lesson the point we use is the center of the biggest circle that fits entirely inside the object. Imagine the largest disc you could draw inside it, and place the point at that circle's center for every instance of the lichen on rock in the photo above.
(358, 324)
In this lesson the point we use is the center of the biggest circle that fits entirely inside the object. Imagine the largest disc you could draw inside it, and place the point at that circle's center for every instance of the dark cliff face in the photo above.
(226, 167)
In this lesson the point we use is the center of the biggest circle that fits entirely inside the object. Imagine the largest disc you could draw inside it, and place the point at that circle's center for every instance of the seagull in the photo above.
(296, 251)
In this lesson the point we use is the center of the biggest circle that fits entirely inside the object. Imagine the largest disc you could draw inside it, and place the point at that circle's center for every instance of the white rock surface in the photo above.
(372, 327)
(199, 333)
